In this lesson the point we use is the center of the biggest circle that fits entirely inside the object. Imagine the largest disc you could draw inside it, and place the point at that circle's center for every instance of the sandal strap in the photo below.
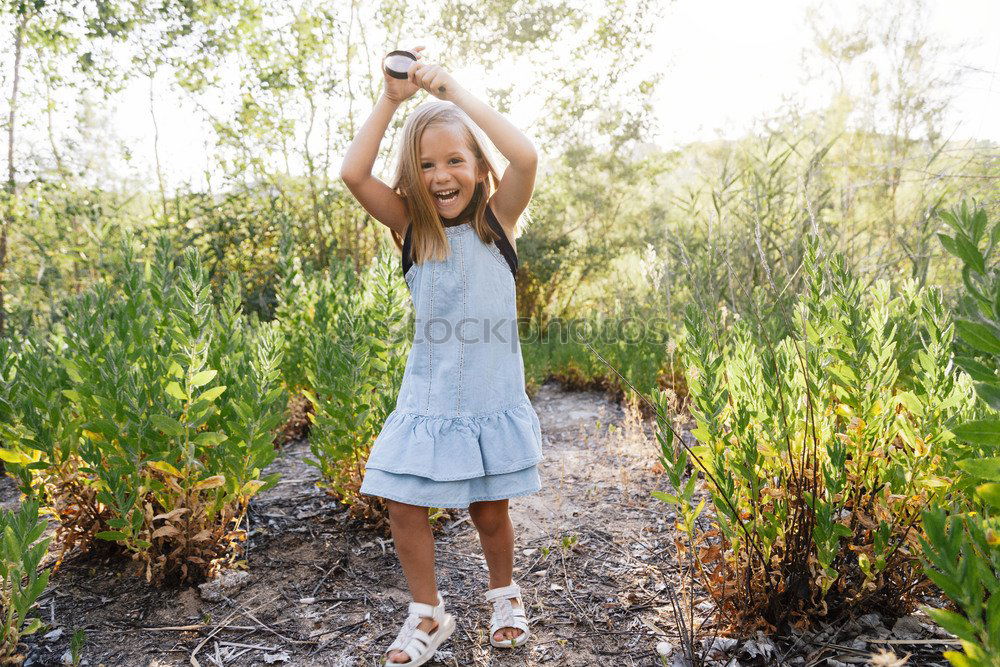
(510, 591)
(506, 615)
(411, 640)
(402, 639)
(424, 610)
(414, 650)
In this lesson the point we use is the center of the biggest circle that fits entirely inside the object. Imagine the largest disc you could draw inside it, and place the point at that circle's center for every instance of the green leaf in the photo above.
(990, 493)
(978, 335)
(165, 467)
(666, 497)
(73, 395)
(909, 401)
(990, 393)
(987, 468)
(203, 378)
(210, 438)
(175, 390)
(33, 626)
(976, 369)
(968, 251)
(948, 243)
(953, 623)
(14, 456)
(959, 659)
(72, 370)
(270, 481)
(111, 535)
(980, 431)
(168, 425)
(211, 394)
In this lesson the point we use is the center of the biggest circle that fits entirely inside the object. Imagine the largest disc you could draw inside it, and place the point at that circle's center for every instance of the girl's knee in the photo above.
(405, 511)
(489, 516)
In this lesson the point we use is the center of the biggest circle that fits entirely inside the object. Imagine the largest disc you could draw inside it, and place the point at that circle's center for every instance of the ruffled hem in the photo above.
(451, 448)
(458, 494)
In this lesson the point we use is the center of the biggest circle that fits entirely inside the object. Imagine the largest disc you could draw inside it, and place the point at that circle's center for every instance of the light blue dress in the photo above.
(463, 429)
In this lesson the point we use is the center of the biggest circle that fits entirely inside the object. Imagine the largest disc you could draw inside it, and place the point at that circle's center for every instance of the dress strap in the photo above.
(503, 244)
(407, 254)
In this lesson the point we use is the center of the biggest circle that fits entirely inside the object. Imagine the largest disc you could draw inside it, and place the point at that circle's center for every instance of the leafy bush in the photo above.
(353, 355)
(597, 351)
(146, 417)
(20, 581)
(307, 305)
(818, 452)
(963, 549)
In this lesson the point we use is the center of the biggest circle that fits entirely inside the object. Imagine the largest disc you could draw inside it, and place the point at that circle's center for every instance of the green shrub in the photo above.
(20, 581)
(145, 418)
(354, 367)
(818, 452)
(307, 305)
(963, 548)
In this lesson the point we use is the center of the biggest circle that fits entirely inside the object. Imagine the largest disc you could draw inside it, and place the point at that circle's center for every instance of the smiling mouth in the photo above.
(447, 197)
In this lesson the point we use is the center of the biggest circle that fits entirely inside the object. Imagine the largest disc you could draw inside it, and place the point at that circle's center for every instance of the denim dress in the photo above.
(463, 429)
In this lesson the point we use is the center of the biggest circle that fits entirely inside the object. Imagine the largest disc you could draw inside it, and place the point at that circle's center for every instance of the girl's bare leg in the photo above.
(411, 533)
(496, 534)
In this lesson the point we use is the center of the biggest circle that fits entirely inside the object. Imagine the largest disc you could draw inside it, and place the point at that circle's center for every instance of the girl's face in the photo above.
(449, 169)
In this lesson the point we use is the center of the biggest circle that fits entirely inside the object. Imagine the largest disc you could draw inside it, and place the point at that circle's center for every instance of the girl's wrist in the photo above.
(457, 96)
(388, 100)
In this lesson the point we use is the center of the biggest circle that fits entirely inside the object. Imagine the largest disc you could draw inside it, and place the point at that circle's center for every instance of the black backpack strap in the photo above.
(503, 243)
(407, 258)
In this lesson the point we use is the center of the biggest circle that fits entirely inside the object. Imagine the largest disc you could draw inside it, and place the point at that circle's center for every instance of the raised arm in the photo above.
(356, 170)
(518, 181)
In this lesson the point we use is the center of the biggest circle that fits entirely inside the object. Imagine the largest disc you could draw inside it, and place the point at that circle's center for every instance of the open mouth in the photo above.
(447, 196)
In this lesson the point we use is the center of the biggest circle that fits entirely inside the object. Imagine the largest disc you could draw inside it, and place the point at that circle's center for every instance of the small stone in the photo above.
(907, 627)
(869, 621)
(226, 584)
(664, 649)
(54, 635)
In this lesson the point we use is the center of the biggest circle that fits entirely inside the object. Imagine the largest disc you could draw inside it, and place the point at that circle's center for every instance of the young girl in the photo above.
(463, 433)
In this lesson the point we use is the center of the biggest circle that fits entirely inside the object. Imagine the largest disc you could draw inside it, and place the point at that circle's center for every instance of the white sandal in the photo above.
(416, 643)
(506, 615)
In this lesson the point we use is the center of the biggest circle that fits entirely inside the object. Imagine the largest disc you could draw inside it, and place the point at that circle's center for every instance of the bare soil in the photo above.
(593, 555)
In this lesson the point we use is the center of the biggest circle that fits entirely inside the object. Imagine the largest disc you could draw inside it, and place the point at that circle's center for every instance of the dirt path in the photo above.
(590, 557)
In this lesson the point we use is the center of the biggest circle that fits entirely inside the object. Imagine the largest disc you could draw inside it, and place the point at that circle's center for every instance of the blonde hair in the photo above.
(428, 240)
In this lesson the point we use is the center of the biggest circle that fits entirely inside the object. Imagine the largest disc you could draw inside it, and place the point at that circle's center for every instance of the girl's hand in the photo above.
(434, 79)
(400, 90)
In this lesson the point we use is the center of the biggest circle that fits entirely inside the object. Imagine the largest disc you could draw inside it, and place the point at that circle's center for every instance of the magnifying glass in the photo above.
(397, 63)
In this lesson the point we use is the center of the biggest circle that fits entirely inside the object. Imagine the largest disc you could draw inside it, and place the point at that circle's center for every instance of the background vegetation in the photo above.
(807, 255)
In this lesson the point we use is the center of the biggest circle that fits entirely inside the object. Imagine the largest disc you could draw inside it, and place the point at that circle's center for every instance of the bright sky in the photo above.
(727, 63)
